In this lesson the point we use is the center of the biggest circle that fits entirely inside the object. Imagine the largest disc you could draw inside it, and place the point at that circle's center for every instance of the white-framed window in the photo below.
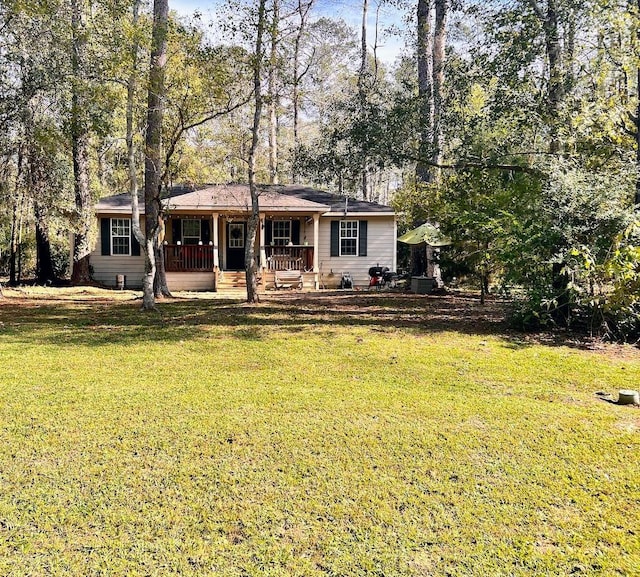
(348, 238)
(191, 231)
(121, 236)
(236, 235)
(281, 232)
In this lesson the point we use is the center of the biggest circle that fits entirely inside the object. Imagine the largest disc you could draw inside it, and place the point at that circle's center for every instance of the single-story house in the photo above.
(312, 231)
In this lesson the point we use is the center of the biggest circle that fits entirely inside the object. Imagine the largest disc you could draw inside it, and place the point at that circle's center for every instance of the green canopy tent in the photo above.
(424, 241)
(426, 233)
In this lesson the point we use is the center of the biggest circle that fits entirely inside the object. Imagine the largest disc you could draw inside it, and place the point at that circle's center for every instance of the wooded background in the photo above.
(512, 124)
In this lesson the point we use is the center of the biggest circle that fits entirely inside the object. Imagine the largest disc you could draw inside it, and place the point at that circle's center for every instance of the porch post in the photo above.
(216, 251)
(316, 250)
(263, 252)
(394, 265)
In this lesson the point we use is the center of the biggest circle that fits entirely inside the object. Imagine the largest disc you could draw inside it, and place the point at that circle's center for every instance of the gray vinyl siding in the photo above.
(381, 248)
(106, 268)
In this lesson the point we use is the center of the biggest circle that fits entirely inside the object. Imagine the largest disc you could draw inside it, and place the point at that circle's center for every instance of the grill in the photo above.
(381, 277)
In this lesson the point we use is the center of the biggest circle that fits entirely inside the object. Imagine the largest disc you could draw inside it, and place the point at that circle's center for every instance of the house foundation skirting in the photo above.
(191, 281)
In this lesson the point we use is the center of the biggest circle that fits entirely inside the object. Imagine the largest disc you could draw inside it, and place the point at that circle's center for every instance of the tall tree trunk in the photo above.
(556, 72)
(16, 218)
(37, 185)
(132, 84)
(21, 214)
(13, 250)
(439, 44)
(44, 263)
(303, 11)
(160, 286)
(424, 174)
(362, 94)
(363, 52)
(254, 218)
(557, 79)
(153, 147)
(80, 147)
(295, 103)
(570, 51)
(273, 96)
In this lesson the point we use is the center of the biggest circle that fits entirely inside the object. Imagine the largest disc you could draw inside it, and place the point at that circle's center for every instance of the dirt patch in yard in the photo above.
(454, 311)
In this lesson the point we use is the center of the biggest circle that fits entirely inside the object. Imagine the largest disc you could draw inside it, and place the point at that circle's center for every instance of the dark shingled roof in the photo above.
(118, 203)
(236, 197)
(335, 202)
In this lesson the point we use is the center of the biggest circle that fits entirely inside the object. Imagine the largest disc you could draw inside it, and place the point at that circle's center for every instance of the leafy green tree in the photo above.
(619, 309)
(205, 84)
(33, 64)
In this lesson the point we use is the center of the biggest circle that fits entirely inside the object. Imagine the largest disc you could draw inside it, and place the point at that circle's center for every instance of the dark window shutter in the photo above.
(105, 236)
(362, 238)
(176, 230)
(135, 245)
(335, 238)
(295, 231)
(268, 231)
(205, 231)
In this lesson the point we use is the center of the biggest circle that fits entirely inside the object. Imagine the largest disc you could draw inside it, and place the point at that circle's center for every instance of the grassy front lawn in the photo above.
(309, 436)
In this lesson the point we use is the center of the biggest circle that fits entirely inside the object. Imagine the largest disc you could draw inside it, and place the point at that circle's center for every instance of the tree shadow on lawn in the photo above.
(102, 321)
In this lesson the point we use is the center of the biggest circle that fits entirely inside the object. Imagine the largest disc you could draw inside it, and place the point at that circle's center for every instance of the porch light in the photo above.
(210, 243)
(178, 243)
(200, 242)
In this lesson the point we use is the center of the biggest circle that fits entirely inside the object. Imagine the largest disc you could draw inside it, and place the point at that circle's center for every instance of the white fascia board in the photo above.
(117, 212)
(358, 214)
(236, 209)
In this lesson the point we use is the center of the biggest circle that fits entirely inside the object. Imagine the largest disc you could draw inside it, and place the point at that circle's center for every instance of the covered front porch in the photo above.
(210, 245)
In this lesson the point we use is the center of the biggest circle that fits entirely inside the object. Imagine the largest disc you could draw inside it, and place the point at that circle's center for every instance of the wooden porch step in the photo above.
(232, 279)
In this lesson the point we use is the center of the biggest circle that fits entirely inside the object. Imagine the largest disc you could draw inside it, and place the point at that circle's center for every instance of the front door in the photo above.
(236, 235)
